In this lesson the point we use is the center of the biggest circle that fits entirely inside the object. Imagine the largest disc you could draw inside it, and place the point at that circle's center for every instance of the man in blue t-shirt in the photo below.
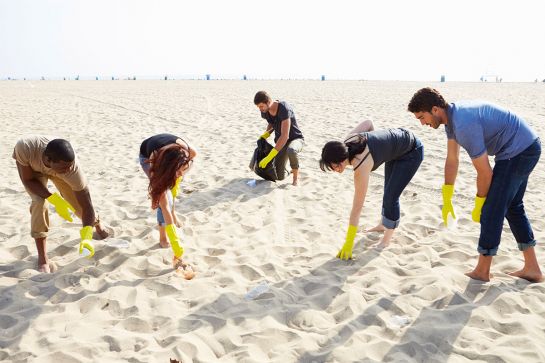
(484, 129)
(287, 136)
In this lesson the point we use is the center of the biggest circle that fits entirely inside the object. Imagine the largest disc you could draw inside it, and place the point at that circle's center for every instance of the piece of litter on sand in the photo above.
(117, 243)
(452, 222)
(186, 272)
(251, 183)
(85, 252)
(399, 321)
(256, 291)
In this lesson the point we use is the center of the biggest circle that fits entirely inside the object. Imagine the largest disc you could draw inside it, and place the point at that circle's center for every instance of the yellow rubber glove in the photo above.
(265, 135)
(267, 159)
(174, 240)
(62, 207)
(476, 213)
(176, 188)
(345, 252)
(448, 208)
(86, 234)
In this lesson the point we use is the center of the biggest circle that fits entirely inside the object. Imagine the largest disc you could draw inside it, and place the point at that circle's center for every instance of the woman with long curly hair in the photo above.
(165, 158)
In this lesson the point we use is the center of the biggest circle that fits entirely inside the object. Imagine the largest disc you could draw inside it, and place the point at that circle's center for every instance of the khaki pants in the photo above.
(39, 220)
(289, 152)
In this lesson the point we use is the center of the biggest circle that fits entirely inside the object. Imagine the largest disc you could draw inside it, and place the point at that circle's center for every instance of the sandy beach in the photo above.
(410, 302)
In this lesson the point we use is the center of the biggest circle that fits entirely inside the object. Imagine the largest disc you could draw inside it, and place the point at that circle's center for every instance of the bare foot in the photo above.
(164, 244)
(101, 233)
(44, 268)
(481, 272)
(295, 177)
(385, 241)
(379, 228)
(531, 276)
(478, 276)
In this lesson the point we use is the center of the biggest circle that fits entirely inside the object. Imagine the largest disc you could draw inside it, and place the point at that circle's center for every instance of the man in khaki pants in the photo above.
(38, 159)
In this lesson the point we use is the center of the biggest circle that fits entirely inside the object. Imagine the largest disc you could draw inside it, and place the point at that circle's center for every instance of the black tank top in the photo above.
(156, 142)
(389, 144)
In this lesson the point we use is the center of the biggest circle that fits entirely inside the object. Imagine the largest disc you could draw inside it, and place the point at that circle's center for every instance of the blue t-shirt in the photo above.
(481, 127)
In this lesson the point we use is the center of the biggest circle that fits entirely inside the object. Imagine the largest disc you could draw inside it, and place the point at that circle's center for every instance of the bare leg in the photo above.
(295, 176)
(531, 270)
(385, 241)
(43, 262)
(163, 237)
(177, 223)
(482, 270)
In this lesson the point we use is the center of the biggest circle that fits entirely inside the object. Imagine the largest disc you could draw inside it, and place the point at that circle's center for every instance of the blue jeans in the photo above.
(504, 199)
(397, 174)
(145, 166)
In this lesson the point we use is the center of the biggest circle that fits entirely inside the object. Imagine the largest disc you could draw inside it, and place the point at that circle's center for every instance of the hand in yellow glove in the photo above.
(345, 253)
(174, 240)
(62, 207)
(448, 208)
(176, 188)
(267, 159)
(86, 234)
(476, 213)
(265, 135)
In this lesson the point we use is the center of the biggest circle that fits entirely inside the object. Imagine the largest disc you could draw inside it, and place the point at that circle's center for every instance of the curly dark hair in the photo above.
(164, 166)
(424, 100)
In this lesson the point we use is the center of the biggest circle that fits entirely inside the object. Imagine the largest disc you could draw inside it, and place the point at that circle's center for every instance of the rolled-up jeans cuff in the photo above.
(525, 246)
(487, 251)
(389, 224)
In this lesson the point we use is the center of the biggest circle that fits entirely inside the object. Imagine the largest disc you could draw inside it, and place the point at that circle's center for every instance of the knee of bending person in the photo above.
(291, 151)
(280, 176)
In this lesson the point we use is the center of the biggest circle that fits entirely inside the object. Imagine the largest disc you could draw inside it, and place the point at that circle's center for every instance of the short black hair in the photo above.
(261, 97)
(59, 150)
(425, 99)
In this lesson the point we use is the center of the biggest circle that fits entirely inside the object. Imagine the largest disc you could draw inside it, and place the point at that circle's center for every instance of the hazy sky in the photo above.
(382, 39)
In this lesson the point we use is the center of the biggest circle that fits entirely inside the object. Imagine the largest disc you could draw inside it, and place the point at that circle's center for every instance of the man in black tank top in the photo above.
(287, 135)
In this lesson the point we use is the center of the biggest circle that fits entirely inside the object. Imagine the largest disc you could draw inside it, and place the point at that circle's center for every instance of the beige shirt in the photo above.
(29, 151)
